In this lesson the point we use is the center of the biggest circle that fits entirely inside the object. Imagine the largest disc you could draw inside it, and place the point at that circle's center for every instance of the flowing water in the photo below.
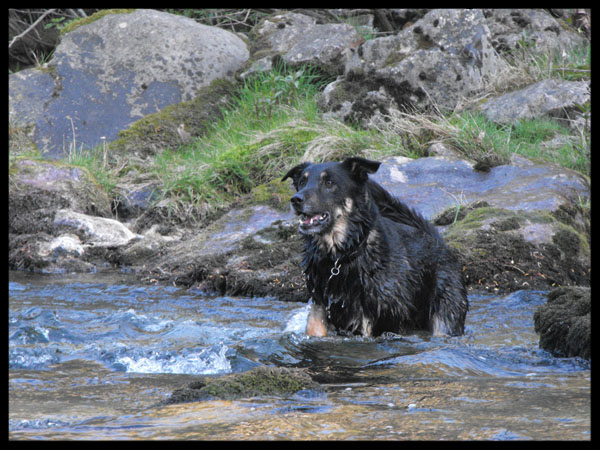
(93, 357)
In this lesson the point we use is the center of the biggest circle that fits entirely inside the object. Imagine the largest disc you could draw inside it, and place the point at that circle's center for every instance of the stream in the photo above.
(92, 356)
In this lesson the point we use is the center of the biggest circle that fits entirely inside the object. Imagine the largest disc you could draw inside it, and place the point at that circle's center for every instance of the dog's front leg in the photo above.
(316, 325)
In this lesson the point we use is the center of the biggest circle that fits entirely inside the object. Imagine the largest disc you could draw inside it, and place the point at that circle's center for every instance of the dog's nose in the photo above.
(297, 200)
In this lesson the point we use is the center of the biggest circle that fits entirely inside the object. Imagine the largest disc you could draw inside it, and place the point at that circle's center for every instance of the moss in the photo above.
(393, 58)
(96, 16)
(275, 193)
(570, 242)
(20, 142)
(564, 322)
(260, 381)
(511, 223)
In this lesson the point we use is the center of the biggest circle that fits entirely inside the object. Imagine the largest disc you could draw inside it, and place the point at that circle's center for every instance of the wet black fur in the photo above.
(396, 273)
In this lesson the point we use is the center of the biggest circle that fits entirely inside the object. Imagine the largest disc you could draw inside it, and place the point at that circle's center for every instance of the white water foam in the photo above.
(207, 361)
(297, 323)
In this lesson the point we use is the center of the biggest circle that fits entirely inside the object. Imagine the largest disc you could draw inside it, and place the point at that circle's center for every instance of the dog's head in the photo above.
(327, 193)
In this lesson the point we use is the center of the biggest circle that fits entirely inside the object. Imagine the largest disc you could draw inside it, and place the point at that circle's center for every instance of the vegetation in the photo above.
(273, 122)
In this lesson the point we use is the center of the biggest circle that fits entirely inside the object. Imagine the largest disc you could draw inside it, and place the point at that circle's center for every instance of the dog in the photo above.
(372, 264)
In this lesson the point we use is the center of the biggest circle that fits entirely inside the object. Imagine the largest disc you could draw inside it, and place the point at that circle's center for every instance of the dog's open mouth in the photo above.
(310, 224)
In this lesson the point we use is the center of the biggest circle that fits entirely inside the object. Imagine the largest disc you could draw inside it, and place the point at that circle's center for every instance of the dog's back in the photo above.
(392, 208)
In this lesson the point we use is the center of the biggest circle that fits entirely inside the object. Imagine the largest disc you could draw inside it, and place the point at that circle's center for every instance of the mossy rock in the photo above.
(96, 16)
(564, 322)
(498, 252)
(260, 381)
(275, 193)
(156, 132)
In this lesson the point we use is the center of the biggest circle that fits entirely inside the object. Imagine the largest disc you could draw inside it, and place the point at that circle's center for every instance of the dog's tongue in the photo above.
(310, 220)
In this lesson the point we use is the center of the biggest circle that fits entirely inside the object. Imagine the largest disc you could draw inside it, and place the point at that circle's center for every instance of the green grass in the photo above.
(273, 122)
(478, 138)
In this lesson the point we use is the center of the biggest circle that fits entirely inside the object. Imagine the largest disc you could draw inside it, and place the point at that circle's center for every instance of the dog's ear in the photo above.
(295, 172)
(360, 168)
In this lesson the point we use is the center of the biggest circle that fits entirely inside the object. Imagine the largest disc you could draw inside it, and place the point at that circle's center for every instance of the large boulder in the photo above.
(516, 226)
(111, 72)
(434, 184)
(444, 56)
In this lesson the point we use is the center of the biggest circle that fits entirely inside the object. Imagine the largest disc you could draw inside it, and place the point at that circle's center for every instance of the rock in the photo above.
(516, 226)
(252, 251)
(547, 98)
(503, 250)
(564, 322)
(298, 39)
(38, 188)
(260, 381)
(111, 72)
(434, 184)
(131, 200)
(97, 231)
(57, 213)
(535, 28)
(155, 132)
(444, 56)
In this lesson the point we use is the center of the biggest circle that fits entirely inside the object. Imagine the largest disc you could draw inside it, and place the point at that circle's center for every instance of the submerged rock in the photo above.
(564, 323)
(261, 381)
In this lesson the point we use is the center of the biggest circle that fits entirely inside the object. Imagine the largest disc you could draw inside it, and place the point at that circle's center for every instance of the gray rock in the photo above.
(39, 185)
(98, 231)
(37, 189)
(64, 244)
(536, 28)
(547, 98)
(444, 56)
(298, 39)
(433, 184)
(106, 75)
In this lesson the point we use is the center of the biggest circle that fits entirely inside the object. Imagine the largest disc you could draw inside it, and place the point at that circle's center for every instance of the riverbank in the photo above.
(190, 194)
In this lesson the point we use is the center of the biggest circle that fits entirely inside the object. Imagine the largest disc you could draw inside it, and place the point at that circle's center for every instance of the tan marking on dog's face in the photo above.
(339, 231)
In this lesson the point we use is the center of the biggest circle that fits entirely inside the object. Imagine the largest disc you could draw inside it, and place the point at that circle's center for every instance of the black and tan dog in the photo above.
(371, 263)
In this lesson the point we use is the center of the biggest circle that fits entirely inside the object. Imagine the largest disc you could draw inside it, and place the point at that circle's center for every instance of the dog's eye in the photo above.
(328, 183)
